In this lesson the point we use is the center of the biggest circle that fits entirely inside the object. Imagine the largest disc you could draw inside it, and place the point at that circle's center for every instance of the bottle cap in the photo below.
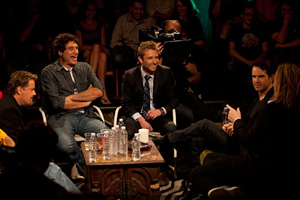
(93, 134)
(123, 127)
(121, 119)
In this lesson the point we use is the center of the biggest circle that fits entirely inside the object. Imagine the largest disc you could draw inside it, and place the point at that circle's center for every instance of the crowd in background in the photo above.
(29, 27)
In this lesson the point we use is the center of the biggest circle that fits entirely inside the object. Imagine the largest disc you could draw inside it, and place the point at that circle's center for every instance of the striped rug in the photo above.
(175, 190)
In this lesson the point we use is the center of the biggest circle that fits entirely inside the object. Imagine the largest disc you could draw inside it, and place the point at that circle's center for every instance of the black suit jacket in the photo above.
(163, 90)
(10, 117)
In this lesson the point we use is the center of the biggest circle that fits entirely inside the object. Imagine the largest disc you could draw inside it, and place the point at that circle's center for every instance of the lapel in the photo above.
(156, 81)
(139, 81)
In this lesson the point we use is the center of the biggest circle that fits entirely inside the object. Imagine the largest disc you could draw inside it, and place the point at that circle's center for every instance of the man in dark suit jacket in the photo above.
(162, 94)
(21, 90)
(205, 134)
(162, 98)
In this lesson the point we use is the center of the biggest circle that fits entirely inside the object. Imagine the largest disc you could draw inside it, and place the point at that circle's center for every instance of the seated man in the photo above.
(148, 94)
(216, 138)
(68, 90)
(21, 90)
(125, 37)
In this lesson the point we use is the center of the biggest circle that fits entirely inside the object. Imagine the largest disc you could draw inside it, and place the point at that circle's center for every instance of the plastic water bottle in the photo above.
(93, 148)
(93, 142)
(136, 147)
(113, 142)
(118, 131)
(123, 141)
(121, 122)
(225, 119)
(105, 143)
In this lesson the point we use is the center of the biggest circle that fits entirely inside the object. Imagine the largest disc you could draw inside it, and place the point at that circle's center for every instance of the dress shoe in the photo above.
(163, 179)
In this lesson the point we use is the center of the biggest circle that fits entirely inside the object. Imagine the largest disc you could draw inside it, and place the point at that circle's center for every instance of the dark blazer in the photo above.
(10, 117)
(244, 129)
(163, 90)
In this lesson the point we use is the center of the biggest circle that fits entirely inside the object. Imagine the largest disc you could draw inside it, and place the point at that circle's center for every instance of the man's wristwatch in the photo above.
(162, 111)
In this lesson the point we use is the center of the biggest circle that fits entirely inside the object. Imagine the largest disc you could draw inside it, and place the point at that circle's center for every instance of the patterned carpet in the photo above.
(174, 190)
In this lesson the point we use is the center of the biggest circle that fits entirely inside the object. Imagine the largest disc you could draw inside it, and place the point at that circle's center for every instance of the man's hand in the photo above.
(153, 113)
(233, 114)
(228, 128)
(144, 123)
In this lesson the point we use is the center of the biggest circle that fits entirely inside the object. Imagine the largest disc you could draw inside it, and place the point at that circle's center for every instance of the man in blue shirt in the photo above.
(68, 90)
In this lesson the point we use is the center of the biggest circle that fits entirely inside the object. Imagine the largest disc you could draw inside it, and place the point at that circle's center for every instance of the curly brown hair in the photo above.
(60, 42)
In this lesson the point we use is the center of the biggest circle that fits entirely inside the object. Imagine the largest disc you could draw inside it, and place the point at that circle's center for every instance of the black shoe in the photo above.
(163, 179)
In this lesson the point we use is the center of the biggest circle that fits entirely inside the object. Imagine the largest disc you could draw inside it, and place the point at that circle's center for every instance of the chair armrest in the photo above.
(43, 115)
(116, 115)
(99, 112)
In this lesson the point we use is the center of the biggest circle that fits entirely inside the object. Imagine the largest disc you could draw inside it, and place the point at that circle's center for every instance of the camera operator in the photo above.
(188, 74)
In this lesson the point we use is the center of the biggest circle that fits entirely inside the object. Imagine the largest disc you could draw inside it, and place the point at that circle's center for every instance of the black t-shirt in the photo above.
(248, 41)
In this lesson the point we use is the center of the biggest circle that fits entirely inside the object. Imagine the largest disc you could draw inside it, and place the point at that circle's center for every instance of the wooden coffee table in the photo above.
(123, 178)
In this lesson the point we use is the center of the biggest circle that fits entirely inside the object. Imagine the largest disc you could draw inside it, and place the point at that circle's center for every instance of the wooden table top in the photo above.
(146, 158)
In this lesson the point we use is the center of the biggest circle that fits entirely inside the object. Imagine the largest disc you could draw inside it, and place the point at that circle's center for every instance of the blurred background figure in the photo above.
(92, 43)
(160, 10)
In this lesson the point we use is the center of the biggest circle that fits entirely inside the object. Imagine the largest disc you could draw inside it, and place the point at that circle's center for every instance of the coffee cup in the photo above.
(144, 135)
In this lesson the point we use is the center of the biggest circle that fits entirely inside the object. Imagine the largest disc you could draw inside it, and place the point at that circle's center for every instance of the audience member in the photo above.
(248, 44)
(160, 10)
(148, 95)
(267, 10)
(34, 151)
(125, 37)
(20, 93)
(191, 25)
(92, 42)
(266, 165)
(286, 35)
(68, 89)
(27, 36)
(216, 138)
(36, 148)
(224, 14)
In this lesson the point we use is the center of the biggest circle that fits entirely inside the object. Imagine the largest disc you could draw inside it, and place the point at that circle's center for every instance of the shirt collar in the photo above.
(143, 73)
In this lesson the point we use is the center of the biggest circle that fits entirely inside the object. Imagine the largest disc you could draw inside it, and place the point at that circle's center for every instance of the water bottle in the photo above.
(93, 142)
(93, 148)
(118, 131)
(225, 119)
(136, 147)
(121, 122)
(105, 143)
(113, 142)
(123, 149)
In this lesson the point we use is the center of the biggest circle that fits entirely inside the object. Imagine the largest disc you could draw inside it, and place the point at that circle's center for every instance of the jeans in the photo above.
(71, 124)
(55, 173)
